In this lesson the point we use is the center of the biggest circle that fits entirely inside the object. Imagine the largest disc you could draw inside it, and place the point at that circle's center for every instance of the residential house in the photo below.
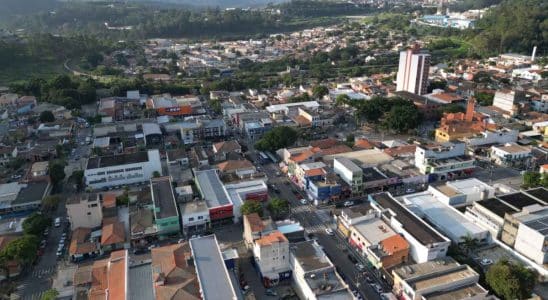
(173, 273)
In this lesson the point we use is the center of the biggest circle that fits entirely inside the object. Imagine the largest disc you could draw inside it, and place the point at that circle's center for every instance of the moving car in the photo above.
(329, 231)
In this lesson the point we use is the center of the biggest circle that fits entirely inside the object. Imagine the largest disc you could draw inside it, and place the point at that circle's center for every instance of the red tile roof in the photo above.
(271, 238)
(173, 277)
(235, 165)
(255, 222)
(113, 233)
(109, 281)
(394, 243)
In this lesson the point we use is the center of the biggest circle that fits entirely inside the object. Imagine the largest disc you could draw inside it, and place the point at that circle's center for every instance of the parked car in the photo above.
(486, 262)
(304, 202)
(329, 231)
(57, 222)
(348, 203)
(360, 267)
(270, 292)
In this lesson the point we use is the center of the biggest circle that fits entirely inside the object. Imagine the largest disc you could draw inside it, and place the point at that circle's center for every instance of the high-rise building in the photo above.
(413, 71)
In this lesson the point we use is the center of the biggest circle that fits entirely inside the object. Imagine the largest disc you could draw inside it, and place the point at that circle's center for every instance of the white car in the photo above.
(329, 231)
(304, 202)
(348, 203)
(486, 262)
(360, 267)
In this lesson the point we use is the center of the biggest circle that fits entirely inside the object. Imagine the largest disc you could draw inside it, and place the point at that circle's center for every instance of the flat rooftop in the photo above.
(539, 193)
(357, 211)
(519, 200)
(162, 195)
(444, 217)
(140, 282)
(116, 160)
(350, 165)
(371, 174)
(212, 188)
(498, 207)
(193, 207)
(443, 279)
(457, 294)
(310, 256)
(33, 192)
(413, 224)
(374, 230)
(410, 272)
(213, 277)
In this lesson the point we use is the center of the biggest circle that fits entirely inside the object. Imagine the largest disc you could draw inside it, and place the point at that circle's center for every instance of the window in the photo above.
(200, 217)
(93, 205)
(89, 213)
(191, 219)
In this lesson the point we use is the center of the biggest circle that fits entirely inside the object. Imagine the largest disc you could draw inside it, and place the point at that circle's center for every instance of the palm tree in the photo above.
(470, 244)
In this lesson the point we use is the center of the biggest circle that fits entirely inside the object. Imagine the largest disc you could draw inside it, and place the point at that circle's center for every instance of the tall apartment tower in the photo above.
(413, 71)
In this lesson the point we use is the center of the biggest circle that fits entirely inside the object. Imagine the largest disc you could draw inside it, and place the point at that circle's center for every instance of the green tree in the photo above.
(46, 116)
(250, 206)
(277, 138)
(342, 99)
(350, 139)
(402, 118)
(278, 207)
(56, 172)
(531, 179)
(156, 174)
(319, 91)
(35, 224)
(22, 250)
(510, 280)
(94, 59)
(78, 178)
(485, 99)
(50, 294)
(49, 203)
(470, 244)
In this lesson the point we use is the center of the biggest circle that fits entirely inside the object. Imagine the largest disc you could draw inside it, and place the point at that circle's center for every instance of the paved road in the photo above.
(315, 221)
(39, 278)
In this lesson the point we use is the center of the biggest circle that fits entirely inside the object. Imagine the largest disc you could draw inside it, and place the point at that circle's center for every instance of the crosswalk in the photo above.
(312, 219)
(22, 292)
(44, 271)
(22, 295)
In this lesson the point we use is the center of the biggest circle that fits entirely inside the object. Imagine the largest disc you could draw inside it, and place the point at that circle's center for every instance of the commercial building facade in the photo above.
(119, 170)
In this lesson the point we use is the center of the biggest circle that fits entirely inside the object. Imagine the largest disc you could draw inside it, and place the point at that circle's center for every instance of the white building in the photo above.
(444, 217)
(462, 192)
(284, 109)
(84, 211)
(511, 154)
(413, 71)
(194, 217)
(238, 193)
(442, 159)
(488, 137)
(425, 243)
(314, 276)
(532, 236)
(369, 233)
(489, 214)
(125, 169)
(439, 279)
(506, 100)
(351, 173)
(271, 253)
